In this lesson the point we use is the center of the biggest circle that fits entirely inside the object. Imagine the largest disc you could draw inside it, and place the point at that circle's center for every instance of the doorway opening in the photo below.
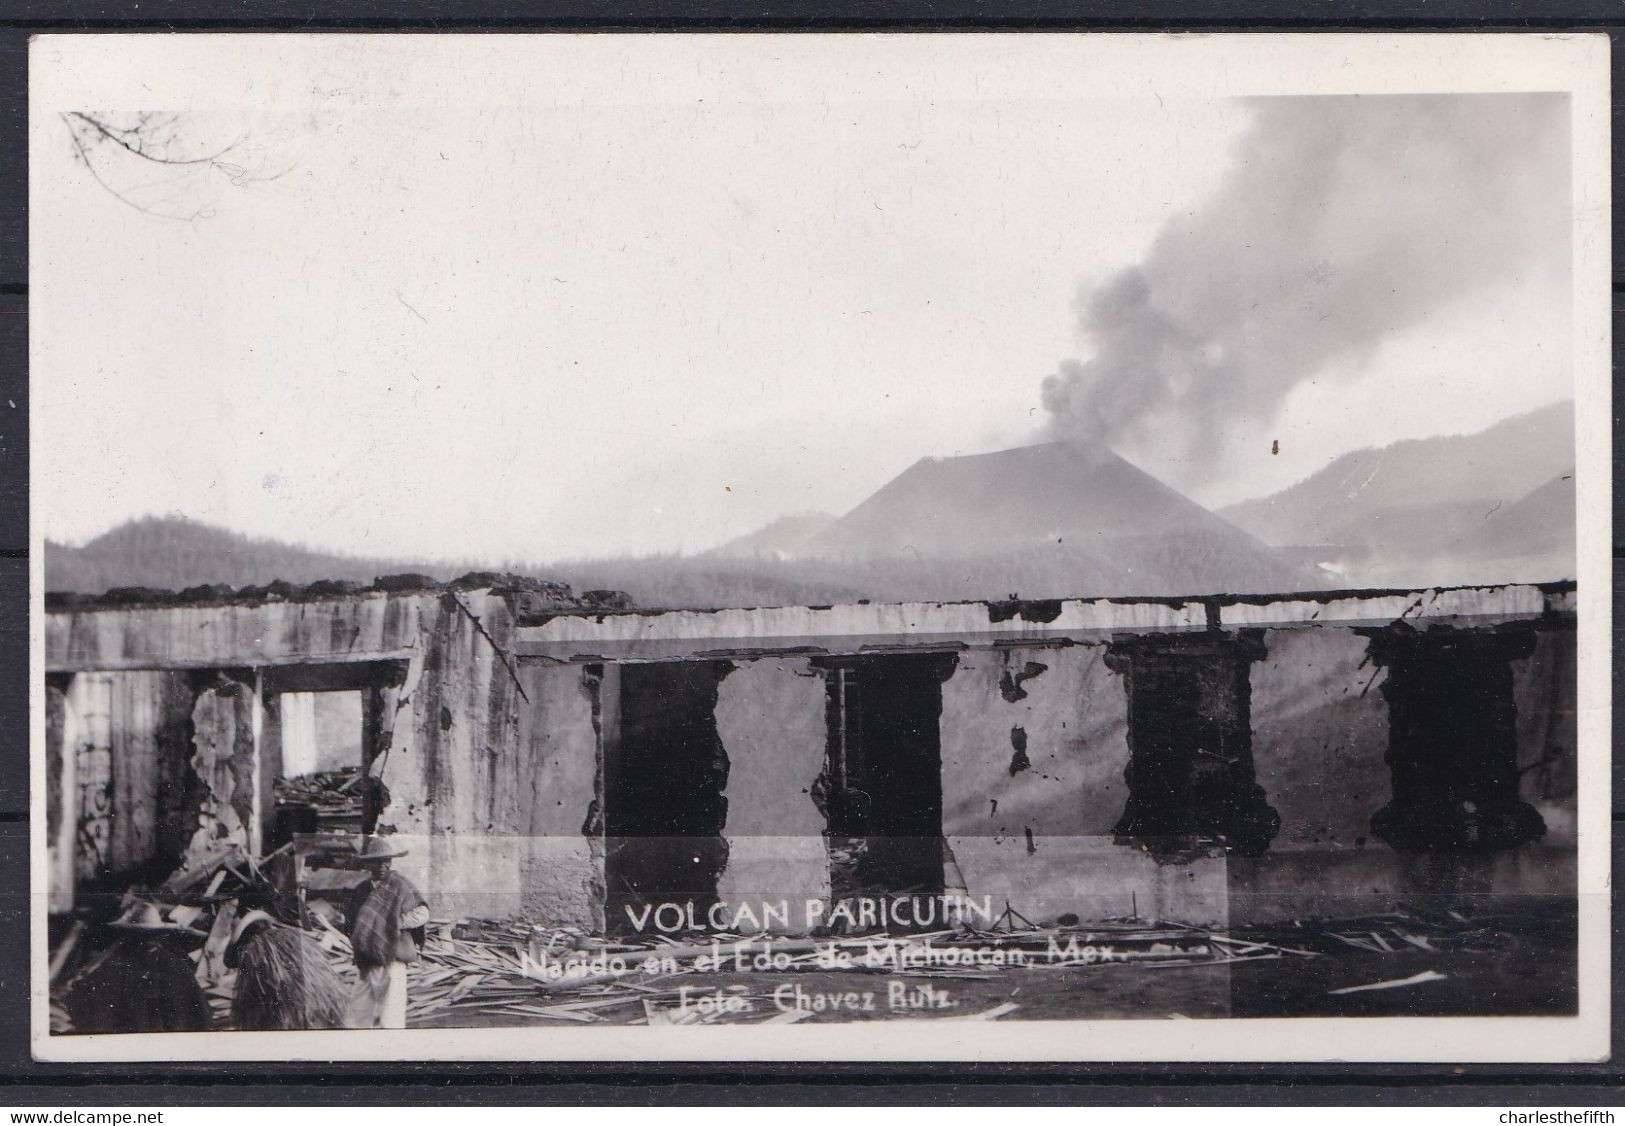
(1191, 783)
(881, 789)
(1452, 741)
(321, 761)
(326, 727)
(664, 807)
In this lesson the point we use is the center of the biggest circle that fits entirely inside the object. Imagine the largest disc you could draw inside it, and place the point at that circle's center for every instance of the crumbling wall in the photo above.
(459, 801)
(1033, 739)
(55, 722)
(225, 762)
(446, 740)
(1320, 731)
(1321, 747)
(1034, 748)
(135, 773)
(561, 875)
(1320, 737)
(91, 698)
(493, 767)
(246, 634)
(1544, 690)
(62, 785)
(117, 778)
(770, 716)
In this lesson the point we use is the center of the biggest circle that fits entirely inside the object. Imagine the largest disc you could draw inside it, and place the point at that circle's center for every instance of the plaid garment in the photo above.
(382, 916)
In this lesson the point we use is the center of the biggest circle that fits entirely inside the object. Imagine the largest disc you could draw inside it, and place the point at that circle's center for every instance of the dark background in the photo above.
(26, 1084)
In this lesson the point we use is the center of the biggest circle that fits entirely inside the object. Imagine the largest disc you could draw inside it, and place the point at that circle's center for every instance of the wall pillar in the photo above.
(561, 876)
(379, 704)
(226, 730)
(770, 716)
(62, 790)
(90, 702)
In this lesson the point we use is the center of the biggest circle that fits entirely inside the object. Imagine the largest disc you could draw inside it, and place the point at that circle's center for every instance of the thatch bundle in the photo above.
(283, 981)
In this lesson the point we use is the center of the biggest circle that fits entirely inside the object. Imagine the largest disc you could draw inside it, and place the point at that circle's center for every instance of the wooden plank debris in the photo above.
(473, 971)
(1395, 983)
(994, 1013)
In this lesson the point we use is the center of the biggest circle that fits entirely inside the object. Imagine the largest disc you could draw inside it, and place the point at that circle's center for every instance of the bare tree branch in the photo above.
(152, 138)
(120, 137)
(89, 164)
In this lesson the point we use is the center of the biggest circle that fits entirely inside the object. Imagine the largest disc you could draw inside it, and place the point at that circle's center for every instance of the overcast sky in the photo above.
(552, 297)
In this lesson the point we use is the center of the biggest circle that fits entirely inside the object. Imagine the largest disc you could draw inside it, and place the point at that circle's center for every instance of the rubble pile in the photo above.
(474, 972)
(514, 970)
(335, 796)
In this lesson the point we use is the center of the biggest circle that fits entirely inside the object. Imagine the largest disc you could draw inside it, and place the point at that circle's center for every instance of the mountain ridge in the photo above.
(1502, 462)
(174, 552)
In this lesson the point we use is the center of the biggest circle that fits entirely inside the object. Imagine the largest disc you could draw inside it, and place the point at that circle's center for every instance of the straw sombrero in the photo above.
(379, 848)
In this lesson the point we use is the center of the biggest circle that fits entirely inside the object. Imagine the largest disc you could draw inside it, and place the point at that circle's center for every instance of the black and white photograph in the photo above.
(820, 546)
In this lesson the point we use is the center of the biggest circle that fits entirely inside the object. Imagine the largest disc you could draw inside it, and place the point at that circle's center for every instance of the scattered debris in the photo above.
(1395, 983)
(991, 1014)
(334, 795)
(475, 971)
(64, 950)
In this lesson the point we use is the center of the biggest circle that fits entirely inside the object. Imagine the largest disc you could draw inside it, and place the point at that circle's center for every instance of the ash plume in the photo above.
(1342, 220)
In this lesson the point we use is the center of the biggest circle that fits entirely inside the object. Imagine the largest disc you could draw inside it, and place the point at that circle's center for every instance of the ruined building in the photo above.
(1220, 759)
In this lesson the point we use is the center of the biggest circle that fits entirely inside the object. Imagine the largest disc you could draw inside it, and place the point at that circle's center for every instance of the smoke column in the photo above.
(1341, 220)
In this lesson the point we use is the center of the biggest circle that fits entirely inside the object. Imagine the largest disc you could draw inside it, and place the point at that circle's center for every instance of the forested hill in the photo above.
(172, 553)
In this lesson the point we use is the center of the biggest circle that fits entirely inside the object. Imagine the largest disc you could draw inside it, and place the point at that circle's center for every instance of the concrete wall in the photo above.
(449, 748)
(1034, 748)
(1320, 734)
(235, 634)
(770, 715)
(1544, 687)
(91, 700)
(61, 796)
(562, 869)
(227, 722)
(460, 780)
(1034, 745)
(1320, 737)
(492, 728)
(122, 747)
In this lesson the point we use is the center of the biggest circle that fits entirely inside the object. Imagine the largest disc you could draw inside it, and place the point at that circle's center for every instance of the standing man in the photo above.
(386, 934)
